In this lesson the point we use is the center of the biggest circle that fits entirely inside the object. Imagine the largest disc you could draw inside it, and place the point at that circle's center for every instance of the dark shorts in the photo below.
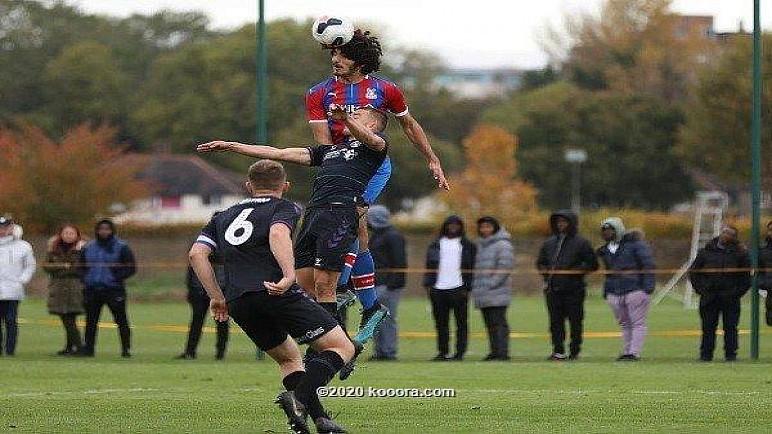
(269, 319)
(325, 237)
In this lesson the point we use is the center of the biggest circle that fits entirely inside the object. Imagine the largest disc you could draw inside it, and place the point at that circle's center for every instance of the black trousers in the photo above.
(713, 305)
(116, 302)
(9, 312)
(498, 330)
(200, 307)
(443, 302)
(562, 306)
(71, 333)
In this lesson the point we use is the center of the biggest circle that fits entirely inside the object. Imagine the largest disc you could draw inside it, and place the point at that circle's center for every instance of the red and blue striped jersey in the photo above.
(371, 91)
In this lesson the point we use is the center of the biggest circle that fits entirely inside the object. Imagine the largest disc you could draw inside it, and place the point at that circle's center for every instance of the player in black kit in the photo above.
(330, 221)
(254, 239)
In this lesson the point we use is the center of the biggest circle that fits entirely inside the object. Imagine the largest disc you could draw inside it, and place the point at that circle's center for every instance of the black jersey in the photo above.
(240, 236)
(344, 171)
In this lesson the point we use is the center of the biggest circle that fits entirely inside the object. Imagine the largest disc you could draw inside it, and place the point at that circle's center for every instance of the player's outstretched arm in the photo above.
(199, 261)
(280, 241)
(289, 155)
(358, 130)
(415, 133)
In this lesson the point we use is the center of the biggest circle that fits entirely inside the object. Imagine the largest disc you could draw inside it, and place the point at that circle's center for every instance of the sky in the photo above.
(475, 34)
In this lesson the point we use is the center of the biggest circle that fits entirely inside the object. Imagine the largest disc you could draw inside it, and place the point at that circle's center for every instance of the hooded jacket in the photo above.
(493, 289)
(566, 252)
(387, 246)
(765, 261)
(468, 252)
(115, 254)
(633, 254)
(713, 256)
(17, 265)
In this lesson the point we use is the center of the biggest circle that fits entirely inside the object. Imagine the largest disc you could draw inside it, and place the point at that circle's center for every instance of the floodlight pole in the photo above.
(756, 177)
(262, 77)
(576, 157)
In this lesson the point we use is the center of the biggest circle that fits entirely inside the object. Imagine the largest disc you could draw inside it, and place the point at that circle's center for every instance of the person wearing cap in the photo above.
(449, 277)
(388, 248)
(627, 293)
(17, 265)
(108, 262)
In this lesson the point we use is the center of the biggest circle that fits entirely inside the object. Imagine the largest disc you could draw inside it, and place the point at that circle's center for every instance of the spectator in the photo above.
(720, 291)
(450, 259)
(628, 294)
(108, 263)
(492, 288)
(65, 289)
(765, 277)
(388, 248)
(17, 265)
(564, 259)
(199, 304)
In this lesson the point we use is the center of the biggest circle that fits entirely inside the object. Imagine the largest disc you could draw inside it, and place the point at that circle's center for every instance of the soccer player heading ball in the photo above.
(352, 86)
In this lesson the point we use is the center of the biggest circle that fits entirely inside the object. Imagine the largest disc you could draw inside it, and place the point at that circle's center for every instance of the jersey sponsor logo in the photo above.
(370, 93)
(347, 154)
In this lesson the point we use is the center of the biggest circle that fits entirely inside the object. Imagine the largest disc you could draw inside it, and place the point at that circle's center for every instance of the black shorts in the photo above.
(326, 236)
(269, 319)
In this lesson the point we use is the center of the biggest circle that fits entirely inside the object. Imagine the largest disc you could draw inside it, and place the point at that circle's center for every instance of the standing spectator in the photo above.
(628, 293)
(199, 304)
(388, 248)
(492, 288)
(17, 265)
(450, 259)
(720, 291)
(108, 262)
(65, 289)
(564, 259)
(765, 277)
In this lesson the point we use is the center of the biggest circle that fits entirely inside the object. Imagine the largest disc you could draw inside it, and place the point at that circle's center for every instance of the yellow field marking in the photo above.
(183, 328)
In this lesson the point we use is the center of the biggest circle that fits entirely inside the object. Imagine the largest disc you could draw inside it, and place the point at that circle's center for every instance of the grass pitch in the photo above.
(667, 392)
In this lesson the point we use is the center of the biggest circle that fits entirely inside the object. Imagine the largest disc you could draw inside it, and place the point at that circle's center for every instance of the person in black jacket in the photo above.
(565, 251)
(199, 304)
(450, 259)
(388, 248)
(765, 277)
(720, 291)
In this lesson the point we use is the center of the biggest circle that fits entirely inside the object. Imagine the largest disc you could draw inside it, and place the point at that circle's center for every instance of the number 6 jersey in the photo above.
(239, 234)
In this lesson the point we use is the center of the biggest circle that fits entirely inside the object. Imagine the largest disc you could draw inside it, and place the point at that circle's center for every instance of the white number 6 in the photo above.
(240, 222)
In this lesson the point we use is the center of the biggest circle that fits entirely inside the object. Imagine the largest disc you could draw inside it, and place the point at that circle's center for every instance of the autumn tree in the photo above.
(45, 183)
(489, 184)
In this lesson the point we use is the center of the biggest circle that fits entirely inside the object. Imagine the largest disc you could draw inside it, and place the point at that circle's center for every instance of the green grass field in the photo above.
(667, 392)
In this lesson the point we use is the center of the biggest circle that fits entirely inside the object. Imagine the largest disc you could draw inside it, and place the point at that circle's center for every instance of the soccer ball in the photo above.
(332, 31)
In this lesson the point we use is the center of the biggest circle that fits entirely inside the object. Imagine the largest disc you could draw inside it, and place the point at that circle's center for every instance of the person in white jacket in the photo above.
(17, 265)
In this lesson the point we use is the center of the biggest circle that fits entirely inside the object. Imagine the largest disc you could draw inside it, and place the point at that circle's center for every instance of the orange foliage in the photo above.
(489, 185)
(44, 183)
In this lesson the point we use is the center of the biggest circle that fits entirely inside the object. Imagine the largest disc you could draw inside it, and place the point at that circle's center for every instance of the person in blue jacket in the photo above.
(108, 262)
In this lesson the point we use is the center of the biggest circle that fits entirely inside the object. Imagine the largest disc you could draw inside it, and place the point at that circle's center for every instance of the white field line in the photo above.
(78, 392)
(612, 392)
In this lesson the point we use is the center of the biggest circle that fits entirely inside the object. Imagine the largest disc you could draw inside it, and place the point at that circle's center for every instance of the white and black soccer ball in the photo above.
(332, 31)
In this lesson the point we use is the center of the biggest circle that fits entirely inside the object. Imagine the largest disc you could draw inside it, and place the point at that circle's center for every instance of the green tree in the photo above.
(716, 137)
(629, 140)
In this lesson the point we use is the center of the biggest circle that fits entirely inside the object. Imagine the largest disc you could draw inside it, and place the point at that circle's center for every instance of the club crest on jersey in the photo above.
(349, 154)
(370, 93)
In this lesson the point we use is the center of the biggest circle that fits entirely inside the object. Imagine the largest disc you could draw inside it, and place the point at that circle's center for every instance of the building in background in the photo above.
(479, 83)
(185, 189)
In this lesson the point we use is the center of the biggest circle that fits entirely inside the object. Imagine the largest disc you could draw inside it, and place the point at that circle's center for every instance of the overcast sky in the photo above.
(478, 33)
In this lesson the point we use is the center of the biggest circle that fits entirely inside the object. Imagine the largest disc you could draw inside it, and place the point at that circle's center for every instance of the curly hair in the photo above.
(365, 50)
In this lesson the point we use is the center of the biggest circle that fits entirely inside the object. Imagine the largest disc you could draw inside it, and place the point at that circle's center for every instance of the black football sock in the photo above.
(292, 380)
(319, 371)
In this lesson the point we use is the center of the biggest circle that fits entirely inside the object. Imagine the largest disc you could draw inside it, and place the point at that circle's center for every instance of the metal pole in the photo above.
(756, 177)
(576, 179)
(262, 77)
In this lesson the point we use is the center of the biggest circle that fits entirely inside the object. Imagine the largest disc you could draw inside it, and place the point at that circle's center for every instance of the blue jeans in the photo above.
(386, 338)
(9, 311)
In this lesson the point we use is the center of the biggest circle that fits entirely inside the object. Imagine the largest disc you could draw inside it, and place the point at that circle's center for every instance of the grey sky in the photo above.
(453, 29)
